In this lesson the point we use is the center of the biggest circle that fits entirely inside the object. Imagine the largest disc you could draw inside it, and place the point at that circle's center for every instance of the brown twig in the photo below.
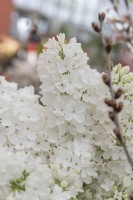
(108, 80)
(115, 7)
(126, 3)
(126, 34)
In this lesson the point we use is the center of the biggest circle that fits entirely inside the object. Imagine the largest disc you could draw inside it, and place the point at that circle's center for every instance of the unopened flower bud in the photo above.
(63, 184)
(55, 166)
(112, 115)
(95, 27)
(106, 80)
(119, 107)
(118, 93)
(101, 16)
(110, 102)
(118, 134)
(108, 46)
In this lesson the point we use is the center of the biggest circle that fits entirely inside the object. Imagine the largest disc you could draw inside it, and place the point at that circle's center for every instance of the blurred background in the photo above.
(26, 24)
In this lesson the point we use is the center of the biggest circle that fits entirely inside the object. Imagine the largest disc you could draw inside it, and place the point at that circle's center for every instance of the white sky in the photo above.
(78, 11)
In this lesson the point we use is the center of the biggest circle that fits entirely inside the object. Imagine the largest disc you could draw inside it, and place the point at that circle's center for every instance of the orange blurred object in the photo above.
(8, 48)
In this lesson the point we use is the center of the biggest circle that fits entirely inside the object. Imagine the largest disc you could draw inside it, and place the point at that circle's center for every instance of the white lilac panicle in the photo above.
(26, 177)
(77, 118)
(23, 177)
(64, 147)
(21, 118)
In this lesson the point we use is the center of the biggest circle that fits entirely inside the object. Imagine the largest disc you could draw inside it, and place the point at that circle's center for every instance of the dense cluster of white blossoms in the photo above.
(61, 146)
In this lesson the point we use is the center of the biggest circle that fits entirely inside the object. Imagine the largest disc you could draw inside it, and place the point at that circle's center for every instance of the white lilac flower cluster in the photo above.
(61, 146)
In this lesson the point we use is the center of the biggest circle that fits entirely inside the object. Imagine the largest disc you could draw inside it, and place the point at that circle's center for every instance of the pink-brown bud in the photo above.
(96, 27)
(112, 115)
(118, 93)
(118, 134)
(119, 107)
(110, 102)
(101, 16)
(108, 46)
(106, 80)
